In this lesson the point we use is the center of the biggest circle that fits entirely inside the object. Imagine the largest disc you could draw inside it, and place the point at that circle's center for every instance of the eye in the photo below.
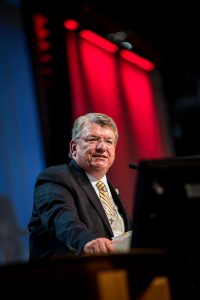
(109, 142)
(91, 139)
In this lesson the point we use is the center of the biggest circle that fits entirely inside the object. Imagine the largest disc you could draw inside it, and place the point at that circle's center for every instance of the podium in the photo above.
(141, 274)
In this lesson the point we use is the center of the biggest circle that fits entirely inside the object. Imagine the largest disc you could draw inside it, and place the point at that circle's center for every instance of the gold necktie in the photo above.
(104, 196)
(109, 207)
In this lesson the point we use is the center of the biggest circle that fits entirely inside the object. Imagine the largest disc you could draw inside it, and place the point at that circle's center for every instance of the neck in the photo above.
(97, 175)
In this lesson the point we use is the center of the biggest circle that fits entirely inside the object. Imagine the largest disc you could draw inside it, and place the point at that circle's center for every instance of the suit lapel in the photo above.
(85, 184)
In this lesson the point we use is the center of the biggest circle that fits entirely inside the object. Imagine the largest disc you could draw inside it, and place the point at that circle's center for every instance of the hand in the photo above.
(99, 246)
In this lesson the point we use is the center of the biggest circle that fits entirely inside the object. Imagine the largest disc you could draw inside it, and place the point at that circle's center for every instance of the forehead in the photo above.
(96, 129)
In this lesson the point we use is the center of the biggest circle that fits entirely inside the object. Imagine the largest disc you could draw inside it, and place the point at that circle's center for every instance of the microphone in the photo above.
(133, 166)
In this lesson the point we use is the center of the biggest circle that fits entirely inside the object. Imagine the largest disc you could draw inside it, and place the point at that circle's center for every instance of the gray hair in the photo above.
(98, 118)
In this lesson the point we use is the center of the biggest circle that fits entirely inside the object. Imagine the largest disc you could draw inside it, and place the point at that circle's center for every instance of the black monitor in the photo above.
(166, 210)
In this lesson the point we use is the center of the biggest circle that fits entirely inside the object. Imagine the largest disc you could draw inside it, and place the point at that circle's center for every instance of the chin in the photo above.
(99, 165)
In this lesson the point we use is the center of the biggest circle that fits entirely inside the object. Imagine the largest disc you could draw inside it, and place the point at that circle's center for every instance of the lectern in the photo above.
(166, 215)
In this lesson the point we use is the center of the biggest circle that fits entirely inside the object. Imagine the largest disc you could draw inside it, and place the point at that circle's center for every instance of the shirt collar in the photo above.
(93, 180)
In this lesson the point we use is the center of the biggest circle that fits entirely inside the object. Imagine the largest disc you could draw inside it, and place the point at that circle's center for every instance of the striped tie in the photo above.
(115, 221)
(105, 199)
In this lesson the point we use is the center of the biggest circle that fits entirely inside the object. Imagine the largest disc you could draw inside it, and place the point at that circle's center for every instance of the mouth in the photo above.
(99, 156)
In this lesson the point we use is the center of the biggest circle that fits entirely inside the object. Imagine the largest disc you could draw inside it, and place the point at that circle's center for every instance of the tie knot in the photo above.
(101, 186)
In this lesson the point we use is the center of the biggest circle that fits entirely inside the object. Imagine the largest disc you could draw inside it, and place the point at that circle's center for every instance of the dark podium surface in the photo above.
(76, 276)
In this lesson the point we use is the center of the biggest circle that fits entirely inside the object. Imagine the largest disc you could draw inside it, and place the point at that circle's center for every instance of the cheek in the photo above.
(85, 148)
(112, 154)
(82, 149)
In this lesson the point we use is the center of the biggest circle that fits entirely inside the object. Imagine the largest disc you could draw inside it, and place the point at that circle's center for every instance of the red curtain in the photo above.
(104, 82)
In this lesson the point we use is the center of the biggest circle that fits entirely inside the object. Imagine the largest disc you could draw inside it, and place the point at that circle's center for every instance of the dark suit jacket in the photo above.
(67, 213)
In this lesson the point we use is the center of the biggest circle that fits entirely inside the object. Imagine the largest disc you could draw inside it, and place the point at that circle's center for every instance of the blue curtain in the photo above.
(21, 149)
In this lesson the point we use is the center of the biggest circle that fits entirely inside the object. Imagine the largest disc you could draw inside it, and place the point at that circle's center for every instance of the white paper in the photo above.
(122, 242)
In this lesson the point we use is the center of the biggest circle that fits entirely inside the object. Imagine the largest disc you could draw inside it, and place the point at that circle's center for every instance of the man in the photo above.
(70, 213)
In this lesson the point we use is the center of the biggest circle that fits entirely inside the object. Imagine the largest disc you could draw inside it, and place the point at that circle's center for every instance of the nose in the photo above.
(101, 144)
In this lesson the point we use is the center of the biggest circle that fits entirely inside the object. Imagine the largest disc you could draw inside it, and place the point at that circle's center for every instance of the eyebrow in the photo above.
(98, 137)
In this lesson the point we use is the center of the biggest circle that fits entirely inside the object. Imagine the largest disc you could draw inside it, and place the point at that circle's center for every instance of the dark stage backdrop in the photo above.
(156, 111)
(46, 81)
(79, 70)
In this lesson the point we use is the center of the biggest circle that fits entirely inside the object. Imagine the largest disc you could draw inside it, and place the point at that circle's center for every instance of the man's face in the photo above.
(95, 150)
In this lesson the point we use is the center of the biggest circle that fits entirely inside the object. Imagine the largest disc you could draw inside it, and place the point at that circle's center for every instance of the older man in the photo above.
(76, 209)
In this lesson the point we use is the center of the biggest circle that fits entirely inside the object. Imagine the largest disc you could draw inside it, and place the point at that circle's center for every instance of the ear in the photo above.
(73, 145)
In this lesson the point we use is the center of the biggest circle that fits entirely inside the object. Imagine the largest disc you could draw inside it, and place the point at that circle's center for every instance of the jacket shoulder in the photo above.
(54, 169)
(55, 173)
